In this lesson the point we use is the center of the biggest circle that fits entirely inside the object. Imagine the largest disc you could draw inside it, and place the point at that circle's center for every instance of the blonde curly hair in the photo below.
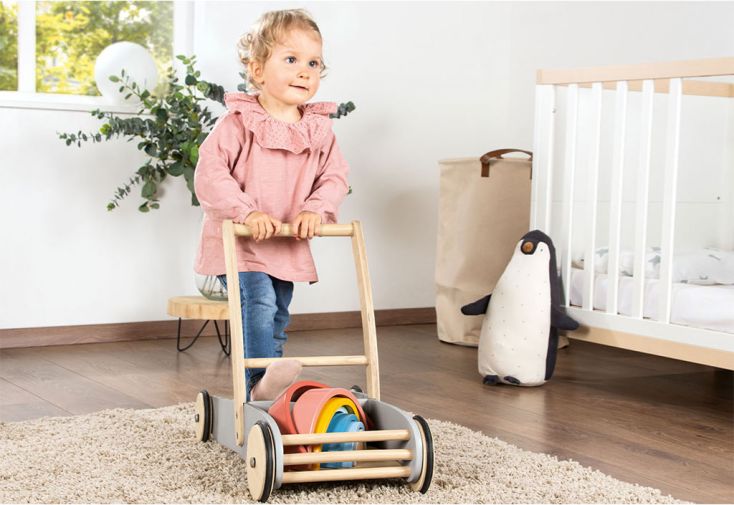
(270, 29)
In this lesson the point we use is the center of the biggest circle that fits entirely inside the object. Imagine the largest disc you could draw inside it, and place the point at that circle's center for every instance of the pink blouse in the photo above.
(251, 161)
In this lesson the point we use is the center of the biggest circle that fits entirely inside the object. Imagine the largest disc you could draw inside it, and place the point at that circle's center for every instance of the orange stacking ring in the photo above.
(280, 409)
(311, 403)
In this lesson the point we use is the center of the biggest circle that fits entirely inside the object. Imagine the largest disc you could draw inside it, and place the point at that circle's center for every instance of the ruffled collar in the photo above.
(308, 133)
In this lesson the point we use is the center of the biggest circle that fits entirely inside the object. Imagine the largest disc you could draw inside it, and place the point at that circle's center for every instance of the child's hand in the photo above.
(305, 224)
(262, 225)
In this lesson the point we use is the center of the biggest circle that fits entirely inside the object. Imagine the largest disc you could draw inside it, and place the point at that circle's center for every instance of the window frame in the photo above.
(26, 97)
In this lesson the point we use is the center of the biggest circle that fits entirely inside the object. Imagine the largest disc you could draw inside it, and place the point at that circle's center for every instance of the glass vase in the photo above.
(210, 287)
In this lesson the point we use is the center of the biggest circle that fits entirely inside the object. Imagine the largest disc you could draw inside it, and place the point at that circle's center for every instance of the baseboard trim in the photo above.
(149, 330)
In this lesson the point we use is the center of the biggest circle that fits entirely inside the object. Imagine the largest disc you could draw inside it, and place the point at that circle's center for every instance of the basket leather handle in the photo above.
(493, 155)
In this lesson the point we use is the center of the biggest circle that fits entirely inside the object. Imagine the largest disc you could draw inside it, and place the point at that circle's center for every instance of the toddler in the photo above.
(272, 158)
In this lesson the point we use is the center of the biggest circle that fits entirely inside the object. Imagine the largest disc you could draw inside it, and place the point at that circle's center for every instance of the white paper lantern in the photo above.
(137, 62)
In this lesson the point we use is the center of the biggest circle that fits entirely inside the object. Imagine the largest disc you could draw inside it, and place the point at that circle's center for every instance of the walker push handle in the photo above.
(287, 230)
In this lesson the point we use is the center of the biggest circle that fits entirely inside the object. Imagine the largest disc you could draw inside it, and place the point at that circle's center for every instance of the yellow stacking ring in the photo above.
(330, 408)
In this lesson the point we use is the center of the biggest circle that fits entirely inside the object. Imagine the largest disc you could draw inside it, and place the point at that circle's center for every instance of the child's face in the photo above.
(292, 74)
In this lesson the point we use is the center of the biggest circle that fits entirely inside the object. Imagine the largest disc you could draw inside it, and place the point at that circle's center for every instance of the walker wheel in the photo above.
(424, 481)
(260, 461)
(203, 416)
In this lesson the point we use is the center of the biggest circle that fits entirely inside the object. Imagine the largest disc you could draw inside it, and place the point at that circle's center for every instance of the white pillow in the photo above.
(705, 266)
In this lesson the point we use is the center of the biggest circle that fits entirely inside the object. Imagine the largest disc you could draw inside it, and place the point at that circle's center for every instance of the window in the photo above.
(8, 46)
(70, 36)
(48, 48)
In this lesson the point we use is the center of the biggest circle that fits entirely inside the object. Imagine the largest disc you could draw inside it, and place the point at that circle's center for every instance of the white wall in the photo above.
(430, 81)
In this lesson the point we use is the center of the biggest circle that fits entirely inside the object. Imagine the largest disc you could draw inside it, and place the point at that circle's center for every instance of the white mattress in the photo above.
(709, 307)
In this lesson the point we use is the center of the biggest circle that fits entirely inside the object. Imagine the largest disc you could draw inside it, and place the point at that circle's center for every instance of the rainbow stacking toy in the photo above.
(313, 432)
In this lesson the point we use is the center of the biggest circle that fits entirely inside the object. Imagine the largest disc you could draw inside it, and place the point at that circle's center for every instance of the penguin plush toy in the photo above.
(519, 335)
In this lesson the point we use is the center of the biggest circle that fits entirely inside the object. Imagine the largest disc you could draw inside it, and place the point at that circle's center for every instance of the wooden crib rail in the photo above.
(710, 67)
(659, 73)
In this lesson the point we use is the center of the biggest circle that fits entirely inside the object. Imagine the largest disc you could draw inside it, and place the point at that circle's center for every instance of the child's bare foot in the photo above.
(278, 376)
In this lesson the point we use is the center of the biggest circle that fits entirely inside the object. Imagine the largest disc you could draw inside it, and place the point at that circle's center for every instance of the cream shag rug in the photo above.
(152, 456)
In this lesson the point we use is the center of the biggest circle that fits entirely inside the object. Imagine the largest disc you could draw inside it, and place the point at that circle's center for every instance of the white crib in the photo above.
(631, 157)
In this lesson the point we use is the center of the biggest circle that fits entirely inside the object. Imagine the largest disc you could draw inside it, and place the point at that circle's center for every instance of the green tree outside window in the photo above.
(8, 46)
(70, 36)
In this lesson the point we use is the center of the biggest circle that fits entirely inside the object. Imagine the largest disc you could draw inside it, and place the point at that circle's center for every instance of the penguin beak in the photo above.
(527, 247)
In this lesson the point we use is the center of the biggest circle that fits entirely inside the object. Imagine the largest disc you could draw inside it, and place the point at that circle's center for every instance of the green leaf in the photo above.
(194, 154)
(148, 189)
(114, 78)
(190, 80)
(144, 207)
(175, 169)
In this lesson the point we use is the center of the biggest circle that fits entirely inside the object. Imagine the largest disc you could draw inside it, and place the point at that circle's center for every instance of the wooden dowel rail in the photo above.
(337, 456)
(389, 472)
(287, 230)
(310, 361)
(337, 438)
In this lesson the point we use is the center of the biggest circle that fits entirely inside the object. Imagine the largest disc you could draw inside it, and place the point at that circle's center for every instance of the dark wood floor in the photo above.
(653, 421)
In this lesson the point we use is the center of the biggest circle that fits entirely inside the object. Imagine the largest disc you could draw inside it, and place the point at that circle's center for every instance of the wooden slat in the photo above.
(237, 356)
(389, 472)
(307, 458)
(593, 192)
(311, 361)
(364, 284)
(641, 200)
(342, 437)
(615, 200)
(663, 70)
(572, 106)
(670, 190)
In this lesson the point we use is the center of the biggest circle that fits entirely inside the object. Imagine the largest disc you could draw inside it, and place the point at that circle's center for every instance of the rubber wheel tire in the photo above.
(206, 404)
(254, 458)
(428, 462)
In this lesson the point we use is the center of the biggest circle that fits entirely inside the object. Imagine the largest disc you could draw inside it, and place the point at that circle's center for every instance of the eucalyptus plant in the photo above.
(170, 127)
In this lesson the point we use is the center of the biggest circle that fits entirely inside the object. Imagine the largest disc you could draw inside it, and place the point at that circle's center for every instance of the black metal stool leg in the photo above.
(178, 336)
(226, 344)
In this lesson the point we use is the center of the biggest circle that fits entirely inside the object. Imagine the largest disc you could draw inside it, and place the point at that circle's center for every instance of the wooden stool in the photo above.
(198, 307)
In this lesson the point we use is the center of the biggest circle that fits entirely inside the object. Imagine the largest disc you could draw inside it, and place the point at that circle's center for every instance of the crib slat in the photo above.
(592, 192)
(572, 102)
(670, 187)
(615, 200)
(543, 157)
(641, 201)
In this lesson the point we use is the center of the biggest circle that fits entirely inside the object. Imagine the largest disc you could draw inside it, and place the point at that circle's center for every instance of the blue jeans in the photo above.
(265, 302)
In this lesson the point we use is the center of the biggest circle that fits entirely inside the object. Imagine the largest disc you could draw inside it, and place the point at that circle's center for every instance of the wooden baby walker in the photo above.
(313, 432)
